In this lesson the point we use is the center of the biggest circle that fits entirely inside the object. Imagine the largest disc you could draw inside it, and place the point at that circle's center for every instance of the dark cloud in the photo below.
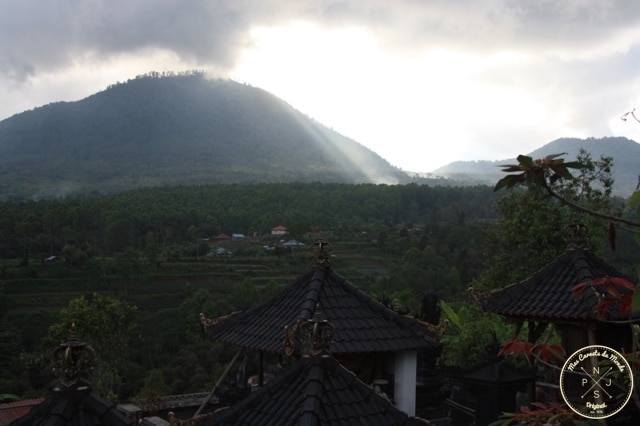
(576, 60)
(38, 35)
(43, 35)
(544, 27)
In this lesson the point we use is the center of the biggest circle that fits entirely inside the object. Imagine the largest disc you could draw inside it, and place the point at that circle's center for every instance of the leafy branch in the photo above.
(543, 352)
(616, 292)
(545, 172)
(551, 169)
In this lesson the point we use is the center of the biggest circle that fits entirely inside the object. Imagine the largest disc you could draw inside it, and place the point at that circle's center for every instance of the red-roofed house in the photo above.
(278, 230)
(11, 411)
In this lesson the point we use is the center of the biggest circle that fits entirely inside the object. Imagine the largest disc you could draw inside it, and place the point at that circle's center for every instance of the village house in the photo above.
(278, 230)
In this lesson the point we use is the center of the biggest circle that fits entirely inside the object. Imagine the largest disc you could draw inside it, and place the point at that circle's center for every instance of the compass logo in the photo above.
(596, 382)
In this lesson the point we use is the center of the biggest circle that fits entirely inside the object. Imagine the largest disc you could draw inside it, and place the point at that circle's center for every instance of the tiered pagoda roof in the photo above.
(75, 408)
(362, 324)
(549, 294)
(314, 391)
(11, 411)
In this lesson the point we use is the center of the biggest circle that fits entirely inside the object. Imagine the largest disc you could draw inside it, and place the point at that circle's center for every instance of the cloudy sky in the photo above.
(420, 82)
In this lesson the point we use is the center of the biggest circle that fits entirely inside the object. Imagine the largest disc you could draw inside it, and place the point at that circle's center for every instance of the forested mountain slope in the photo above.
(186, 213)
(187, 129)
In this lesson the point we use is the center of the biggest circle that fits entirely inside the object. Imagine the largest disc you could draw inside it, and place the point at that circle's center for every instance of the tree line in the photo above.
(174, 215)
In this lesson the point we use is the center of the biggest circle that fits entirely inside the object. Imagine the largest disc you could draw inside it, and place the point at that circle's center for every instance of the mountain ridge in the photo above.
(186, 129)
(178, 130)
(624, 152)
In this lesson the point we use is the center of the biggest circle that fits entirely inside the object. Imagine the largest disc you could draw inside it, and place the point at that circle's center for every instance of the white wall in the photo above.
(405, 371)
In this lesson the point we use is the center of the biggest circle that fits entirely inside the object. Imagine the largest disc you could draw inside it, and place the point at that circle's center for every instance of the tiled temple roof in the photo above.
(75, 408)
(547, 294)
(73, 402)
(362, 324)
(14, 410)
(314, 391)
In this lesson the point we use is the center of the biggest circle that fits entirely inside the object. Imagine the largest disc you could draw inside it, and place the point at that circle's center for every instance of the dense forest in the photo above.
(155, 249)
(179, 215)
(138, 267)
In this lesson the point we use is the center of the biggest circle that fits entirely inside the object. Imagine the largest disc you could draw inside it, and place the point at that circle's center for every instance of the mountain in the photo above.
(625, 154)
(187, 129)
(174, 130)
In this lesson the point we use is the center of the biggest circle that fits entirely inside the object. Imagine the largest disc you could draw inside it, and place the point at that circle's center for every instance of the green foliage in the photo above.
(422, 271)
(108, 325)
(158, 218)
(472, 335)
(397, 241)
(537, 172)
(244, 295)
(532, 230)
(74, 256)
(202, 301)
(10, 347)
(129, 264)
(584, 199)
(154, 385)
(7, 397)
(270, 289)
(186, 371)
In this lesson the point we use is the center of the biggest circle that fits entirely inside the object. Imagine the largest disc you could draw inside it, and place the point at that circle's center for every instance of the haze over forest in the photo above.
(166, 129)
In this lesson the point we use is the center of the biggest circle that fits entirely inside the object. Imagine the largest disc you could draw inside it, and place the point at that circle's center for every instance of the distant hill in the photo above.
(186, 129)
(625, 153)
(175, 130)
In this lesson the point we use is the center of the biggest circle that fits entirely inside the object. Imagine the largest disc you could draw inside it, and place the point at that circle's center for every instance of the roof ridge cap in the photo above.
(314, 390)
(312, 295)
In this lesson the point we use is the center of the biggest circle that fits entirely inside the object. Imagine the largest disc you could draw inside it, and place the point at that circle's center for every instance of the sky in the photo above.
(420, 82)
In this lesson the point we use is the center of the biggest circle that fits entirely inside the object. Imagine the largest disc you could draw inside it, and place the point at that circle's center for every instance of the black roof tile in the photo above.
(548, 295)
(314, 391)
(74, 408)
(362, 324)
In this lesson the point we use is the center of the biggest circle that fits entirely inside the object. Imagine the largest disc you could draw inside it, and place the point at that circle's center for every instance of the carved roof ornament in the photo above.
(317, 334)
(439, 329)
(577, 236)
(73, 363)
(314, 335)
(321, 251)
(207, 323)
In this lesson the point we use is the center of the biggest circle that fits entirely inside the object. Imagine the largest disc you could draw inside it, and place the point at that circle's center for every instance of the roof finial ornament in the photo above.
(321, 251)
(314, 335)
(73, 363)
(577, 236)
